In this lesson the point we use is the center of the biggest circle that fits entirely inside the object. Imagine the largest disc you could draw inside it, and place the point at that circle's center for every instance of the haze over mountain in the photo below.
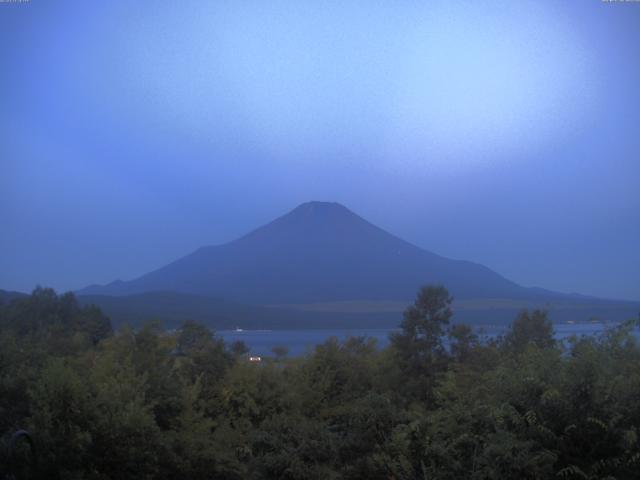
(320, 252)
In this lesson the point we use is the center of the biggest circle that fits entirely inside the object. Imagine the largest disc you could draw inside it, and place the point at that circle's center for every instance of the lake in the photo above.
(299, 342)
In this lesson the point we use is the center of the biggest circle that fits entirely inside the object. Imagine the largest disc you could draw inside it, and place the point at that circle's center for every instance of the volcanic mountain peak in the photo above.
(315, 225)
(314, 212)
(317, 252)
(316, 206)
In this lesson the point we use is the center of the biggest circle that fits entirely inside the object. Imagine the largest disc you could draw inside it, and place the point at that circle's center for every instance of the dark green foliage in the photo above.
(463, 342)
(530, 329)
(149, 403)
(239, 348)
(419, 347)
(280, 351)
(58, 324)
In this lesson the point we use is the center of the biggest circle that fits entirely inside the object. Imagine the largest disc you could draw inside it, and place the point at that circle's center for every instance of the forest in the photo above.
(438, 403)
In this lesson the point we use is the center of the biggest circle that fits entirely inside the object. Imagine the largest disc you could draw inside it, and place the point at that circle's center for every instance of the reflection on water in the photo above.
(299, 342)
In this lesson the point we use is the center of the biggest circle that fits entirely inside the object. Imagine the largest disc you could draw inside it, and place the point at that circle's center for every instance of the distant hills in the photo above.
(171, 309)
(7, 296)
(321, 265)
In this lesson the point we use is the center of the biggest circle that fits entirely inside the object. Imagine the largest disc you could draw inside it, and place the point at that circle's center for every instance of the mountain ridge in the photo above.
(319, 251)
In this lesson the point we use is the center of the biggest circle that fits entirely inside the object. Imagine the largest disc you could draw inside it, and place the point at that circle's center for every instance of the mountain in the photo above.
(319, 252)
(6, 296)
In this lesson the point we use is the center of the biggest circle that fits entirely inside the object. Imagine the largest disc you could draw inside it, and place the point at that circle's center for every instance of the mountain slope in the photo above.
(6, 296)
(316, 253)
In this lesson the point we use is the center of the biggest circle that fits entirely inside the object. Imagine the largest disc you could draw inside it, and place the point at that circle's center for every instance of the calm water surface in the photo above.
(299, 342)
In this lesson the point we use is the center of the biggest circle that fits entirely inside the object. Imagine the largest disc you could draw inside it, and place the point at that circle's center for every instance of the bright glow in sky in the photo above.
(500, 132)
(441, 83)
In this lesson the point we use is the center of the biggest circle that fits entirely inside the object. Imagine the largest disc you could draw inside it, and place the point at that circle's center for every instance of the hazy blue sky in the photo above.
(507, 133)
